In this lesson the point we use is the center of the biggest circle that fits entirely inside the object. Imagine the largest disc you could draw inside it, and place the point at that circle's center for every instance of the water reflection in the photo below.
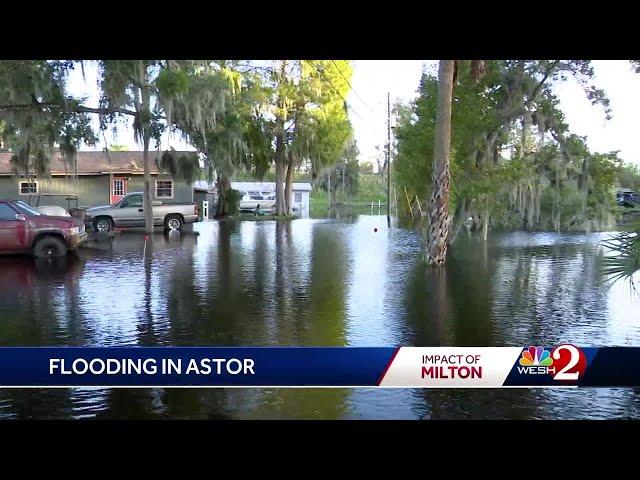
(347, 280)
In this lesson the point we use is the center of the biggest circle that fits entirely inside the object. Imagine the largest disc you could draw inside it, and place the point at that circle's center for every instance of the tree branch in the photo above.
(544, 79)
(68, 108)
(65, 108)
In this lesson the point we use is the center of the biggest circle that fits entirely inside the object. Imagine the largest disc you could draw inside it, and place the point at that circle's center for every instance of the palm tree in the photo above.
(626, 259)
(439, 217)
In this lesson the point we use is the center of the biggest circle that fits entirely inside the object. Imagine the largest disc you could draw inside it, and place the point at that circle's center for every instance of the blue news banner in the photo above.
(564, 365)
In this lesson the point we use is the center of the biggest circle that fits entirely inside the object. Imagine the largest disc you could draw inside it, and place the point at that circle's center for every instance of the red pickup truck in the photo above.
(24, 229)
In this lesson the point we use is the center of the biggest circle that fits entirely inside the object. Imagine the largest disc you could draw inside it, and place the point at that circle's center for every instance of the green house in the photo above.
(101, 179)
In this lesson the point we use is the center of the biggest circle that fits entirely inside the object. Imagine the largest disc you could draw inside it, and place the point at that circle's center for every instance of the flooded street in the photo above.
(333, 282)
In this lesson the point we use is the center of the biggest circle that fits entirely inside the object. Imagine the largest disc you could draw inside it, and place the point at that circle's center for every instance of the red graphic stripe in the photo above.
(388, 365)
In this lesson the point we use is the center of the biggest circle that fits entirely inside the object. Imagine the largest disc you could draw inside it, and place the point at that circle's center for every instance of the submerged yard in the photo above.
(349, 281)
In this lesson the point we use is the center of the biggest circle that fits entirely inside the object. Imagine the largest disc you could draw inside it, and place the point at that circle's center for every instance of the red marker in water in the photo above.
(146, 237)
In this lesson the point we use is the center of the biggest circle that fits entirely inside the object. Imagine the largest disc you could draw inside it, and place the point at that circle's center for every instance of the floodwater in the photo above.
(318, 282)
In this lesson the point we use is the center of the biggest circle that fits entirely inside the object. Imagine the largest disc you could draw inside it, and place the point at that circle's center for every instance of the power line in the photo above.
(319, 70)
(351, 87)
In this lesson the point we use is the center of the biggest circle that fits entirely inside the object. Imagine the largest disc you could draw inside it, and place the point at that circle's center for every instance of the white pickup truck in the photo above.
(129, 212)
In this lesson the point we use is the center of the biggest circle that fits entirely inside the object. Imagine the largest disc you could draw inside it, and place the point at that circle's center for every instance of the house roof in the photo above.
(92, 163)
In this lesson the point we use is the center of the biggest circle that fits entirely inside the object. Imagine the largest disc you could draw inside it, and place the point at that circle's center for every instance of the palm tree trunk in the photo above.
(439, 218)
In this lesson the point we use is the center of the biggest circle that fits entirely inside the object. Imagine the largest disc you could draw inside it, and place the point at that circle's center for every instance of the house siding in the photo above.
(182, 191)
(92, 190)
(304, 204)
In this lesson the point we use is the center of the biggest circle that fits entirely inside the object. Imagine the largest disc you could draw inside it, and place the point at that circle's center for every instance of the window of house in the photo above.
(164, 188)
(297, 197)
(28, 187)
(118, 186)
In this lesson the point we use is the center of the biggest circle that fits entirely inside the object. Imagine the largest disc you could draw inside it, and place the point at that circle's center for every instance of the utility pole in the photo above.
(388, 159)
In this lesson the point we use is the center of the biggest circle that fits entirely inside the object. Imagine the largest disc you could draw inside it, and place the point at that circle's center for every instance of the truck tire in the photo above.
(103, 224)
(49, 247)
(173, 222)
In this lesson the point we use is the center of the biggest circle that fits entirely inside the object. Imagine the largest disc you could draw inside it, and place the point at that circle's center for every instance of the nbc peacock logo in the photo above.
(536, 361)
(536, 356)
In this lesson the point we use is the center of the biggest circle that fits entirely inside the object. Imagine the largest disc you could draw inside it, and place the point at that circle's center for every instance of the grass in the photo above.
(371, 188)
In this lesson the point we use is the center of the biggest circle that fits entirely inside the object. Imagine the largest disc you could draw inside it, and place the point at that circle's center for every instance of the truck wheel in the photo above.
(173, 223)
(103, 224)
(49, 247)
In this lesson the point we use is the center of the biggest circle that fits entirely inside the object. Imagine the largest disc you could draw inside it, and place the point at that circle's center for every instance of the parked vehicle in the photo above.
(628, 198)
(129, 212)
(53, 210)
(257, 201)
(24, 229)
(36, 199)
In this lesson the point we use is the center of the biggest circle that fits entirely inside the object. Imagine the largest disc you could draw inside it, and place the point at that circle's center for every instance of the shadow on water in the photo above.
(346, 280)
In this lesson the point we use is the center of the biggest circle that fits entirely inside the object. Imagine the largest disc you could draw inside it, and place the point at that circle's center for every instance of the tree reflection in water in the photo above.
(317, 282)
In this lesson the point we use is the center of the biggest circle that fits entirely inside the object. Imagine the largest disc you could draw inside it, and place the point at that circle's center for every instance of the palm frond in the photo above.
(623, 260)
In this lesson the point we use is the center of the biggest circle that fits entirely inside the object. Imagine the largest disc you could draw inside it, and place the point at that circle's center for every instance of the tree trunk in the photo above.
(288, 185)
(148, 198)
(485, 225)
(459, 220)
(291, 163)
(537, 196)
(280, 162)
(531, 208)
(439, 218)
(224, 185)
(143, 112)
(280, 154)
(332, 199)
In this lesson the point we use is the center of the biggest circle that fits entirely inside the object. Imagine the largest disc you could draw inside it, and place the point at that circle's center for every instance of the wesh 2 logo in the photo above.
(565, 362)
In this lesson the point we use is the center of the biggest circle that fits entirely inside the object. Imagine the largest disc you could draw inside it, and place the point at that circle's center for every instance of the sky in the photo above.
(372, 79)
